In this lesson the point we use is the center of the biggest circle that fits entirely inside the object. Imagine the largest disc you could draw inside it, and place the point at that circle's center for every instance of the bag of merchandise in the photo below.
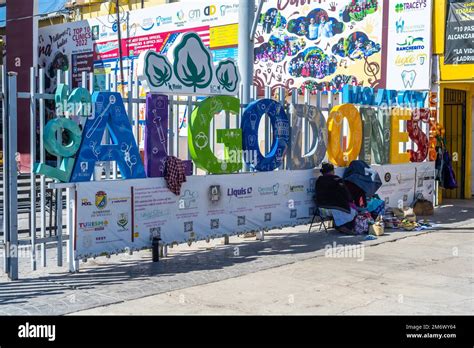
(423, 207)
(361, 223)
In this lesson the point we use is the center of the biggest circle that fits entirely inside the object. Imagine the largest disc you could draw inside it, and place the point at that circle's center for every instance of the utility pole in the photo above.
(119, 32)
(246, 47)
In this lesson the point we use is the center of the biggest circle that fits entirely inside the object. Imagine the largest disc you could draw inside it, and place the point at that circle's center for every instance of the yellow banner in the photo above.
(224, 36)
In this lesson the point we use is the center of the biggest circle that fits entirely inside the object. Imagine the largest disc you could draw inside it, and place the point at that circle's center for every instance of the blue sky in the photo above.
(45, 6)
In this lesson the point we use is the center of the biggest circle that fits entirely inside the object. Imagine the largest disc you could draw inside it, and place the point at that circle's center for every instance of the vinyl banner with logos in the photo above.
(114, 215)
(409, 51)
(398, 184)
(460, 33)
(92, 45)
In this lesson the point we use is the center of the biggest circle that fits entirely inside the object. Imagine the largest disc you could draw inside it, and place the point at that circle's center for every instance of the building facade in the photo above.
(456, 99)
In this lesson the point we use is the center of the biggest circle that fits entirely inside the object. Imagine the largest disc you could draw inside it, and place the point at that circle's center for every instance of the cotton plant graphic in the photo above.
(193, 63)
(227, 75)
(159, 70)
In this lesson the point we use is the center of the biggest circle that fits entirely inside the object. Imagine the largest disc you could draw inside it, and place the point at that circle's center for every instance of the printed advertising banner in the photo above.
(115, 215)
(409, 51)
(92, 45)
(460, 33)
(319, 45)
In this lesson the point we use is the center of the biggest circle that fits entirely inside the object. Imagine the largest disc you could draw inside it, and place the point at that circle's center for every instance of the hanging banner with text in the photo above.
(460, 33)
(409, 52)
(113, 216)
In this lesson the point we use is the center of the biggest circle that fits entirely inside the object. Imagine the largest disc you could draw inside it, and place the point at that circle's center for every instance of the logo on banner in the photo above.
(85, 202)
(188, 226)
(210, 10)
(268, 217)
(388, 177)
(93, 225)
(400, 25)
(101, 200)
(410, 41)
(408, 78)
(238, 193)
(240, 220)
(163, 20)
(410, 6)
(226, 9)
(180, 15)
(194, 14)
(214, 224)
(188, 200)
(269, 190)
(312, 186)
(411, 44)
(147, 24)
(297, 188)
(122, 220)
(155, 232)
(411, 59)
(293, 213)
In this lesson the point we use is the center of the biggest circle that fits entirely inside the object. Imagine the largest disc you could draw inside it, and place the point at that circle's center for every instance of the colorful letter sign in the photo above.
(376, 130)
(156, 135)
(199, 136)
(336, 154)
(317, 150)
(416, 134)
(56, 147)
(397, 137)
(281, 133)
(109, 112)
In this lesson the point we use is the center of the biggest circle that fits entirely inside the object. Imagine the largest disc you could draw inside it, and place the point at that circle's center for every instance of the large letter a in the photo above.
(109, 112)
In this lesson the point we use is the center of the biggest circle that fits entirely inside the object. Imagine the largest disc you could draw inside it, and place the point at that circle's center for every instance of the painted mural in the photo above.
(319, 46)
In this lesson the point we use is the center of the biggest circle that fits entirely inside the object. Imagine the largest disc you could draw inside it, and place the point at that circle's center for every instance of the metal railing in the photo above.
(53, 203)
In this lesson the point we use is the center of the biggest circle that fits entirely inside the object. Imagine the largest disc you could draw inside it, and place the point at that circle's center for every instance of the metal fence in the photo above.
(43, 214)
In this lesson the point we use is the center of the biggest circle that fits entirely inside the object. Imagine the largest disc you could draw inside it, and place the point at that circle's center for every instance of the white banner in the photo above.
(409, 48)
(114, 215)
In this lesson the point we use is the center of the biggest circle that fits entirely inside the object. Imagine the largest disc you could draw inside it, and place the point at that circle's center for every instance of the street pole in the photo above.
(246, 47)
(12, 243)
(119, 33)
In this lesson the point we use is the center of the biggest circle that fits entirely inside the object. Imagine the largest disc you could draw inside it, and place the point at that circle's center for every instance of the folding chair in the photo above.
(317, 213)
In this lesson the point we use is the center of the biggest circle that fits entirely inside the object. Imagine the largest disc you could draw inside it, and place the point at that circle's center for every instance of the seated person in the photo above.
(358, 195)
(333, 195)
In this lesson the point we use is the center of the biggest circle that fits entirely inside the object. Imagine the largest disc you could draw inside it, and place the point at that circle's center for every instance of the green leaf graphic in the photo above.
(227, 75)
(192, 62)
(158, 70)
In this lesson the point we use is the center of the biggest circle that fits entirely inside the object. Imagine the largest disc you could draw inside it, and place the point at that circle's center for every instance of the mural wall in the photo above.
(319, 46)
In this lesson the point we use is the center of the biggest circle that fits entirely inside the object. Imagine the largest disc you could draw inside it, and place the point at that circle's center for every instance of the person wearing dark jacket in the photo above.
(358, 195)
(333, 195)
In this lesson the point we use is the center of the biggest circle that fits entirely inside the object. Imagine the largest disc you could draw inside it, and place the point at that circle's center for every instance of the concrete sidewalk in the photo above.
(428, 274)
(287, 273)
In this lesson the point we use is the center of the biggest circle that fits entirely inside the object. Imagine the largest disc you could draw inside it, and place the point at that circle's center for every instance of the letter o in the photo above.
(55, 146)
(335, 153)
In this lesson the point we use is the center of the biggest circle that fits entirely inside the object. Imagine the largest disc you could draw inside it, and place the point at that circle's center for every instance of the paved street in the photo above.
(419, 275)
(291, 272)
